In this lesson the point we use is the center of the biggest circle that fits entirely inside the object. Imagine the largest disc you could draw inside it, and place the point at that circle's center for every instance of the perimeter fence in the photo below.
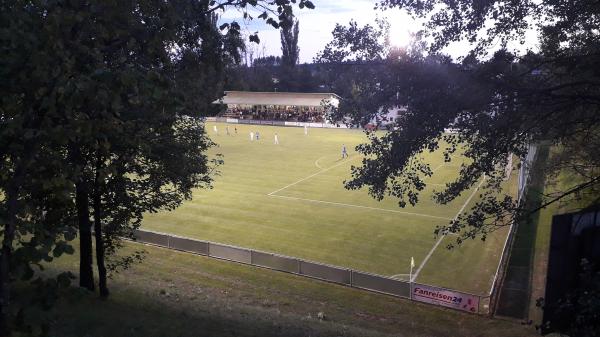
(344, 276)
(524, 178)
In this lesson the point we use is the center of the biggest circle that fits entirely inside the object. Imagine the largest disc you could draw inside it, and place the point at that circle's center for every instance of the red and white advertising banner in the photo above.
(445, 298)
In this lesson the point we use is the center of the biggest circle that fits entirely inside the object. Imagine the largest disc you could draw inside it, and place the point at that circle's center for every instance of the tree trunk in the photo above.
(5, 285)
(98, 233)
(86, 271)
(12, 197)
(100, 258)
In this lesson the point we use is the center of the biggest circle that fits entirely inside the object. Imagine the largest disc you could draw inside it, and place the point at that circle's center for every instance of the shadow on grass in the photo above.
(515, 292)
(180, 294)
(125, 313)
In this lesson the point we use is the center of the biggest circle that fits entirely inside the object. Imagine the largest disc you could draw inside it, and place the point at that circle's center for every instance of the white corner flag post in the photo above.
(412, 265)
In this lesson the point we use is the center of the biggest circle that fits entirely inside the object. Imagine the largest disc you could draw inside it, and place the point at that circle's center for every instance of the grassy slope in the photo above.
(179, 294)
(239, 211)
(540, 260)
(543, 222)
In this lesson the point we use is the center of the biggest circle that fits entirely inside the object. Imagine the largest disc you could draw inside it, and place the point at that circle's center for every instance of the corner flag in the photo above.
(412, 265)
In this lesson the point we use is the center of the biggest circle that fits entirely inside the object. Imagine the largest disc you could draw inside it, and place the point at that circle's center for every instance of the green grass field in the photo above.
(289, 199)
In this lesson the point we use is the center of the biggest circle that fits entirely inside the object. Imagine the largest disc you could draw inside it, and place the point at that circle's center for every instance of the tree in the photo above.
(289, 44)
(267, 61)
(110, 84)
(99, 119)
(288, 72)
(353, 64)
(354, 44)
(576, 312)
(497, 98)
(36, 206)
(498, 104)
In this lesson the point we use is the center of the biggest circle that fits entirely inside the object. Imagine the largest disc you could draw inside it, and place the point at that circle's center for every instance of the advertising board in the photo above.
(445, 297)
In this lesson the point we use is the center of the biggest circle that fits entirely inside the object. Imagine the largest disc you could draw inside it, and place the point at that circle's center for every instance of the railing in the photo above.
(339, 275)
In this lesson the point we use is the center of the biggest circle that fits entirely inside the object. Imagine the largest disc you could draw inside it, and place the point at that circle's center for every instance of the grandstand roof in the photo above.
(277, 98)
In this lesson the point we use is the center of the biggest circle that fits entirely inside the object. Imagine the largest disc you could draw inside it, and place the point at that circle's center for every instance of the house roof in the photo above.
(276, 98)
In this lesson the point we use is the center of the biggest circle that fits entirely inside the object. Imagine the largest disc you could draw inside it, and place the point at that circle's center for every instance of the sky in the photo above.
(317, 24)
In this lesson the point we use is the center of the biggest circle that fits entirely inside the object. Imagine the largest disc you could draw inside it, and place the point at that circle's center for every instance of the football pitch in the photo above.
(289, 199)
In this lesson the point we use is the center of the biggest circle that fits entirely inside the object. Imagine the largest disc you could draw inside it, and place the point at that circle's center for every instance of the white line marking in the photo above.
(440, 185)
(398, 275)
(416, 273)
(438, 167)
(359, 206)
(317, 162)
(310, 176)
(444, 163)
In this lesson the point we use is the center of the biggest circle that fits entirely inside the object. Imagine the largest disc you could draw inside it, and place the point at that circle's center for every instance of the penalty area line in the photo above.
(358, 206)
(416, 273)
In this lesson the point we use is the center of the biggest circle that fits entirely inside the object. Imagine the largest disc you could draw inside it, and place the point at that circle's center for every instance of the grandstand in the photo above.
(277, 106)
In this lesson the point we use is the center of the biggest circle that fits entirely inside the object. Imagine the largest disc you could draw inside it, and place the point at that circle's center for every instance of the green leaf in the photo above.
(273, 23)
(254, 38)
(69, 250)
(64, 279)
(309, 4)
(27, 273)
